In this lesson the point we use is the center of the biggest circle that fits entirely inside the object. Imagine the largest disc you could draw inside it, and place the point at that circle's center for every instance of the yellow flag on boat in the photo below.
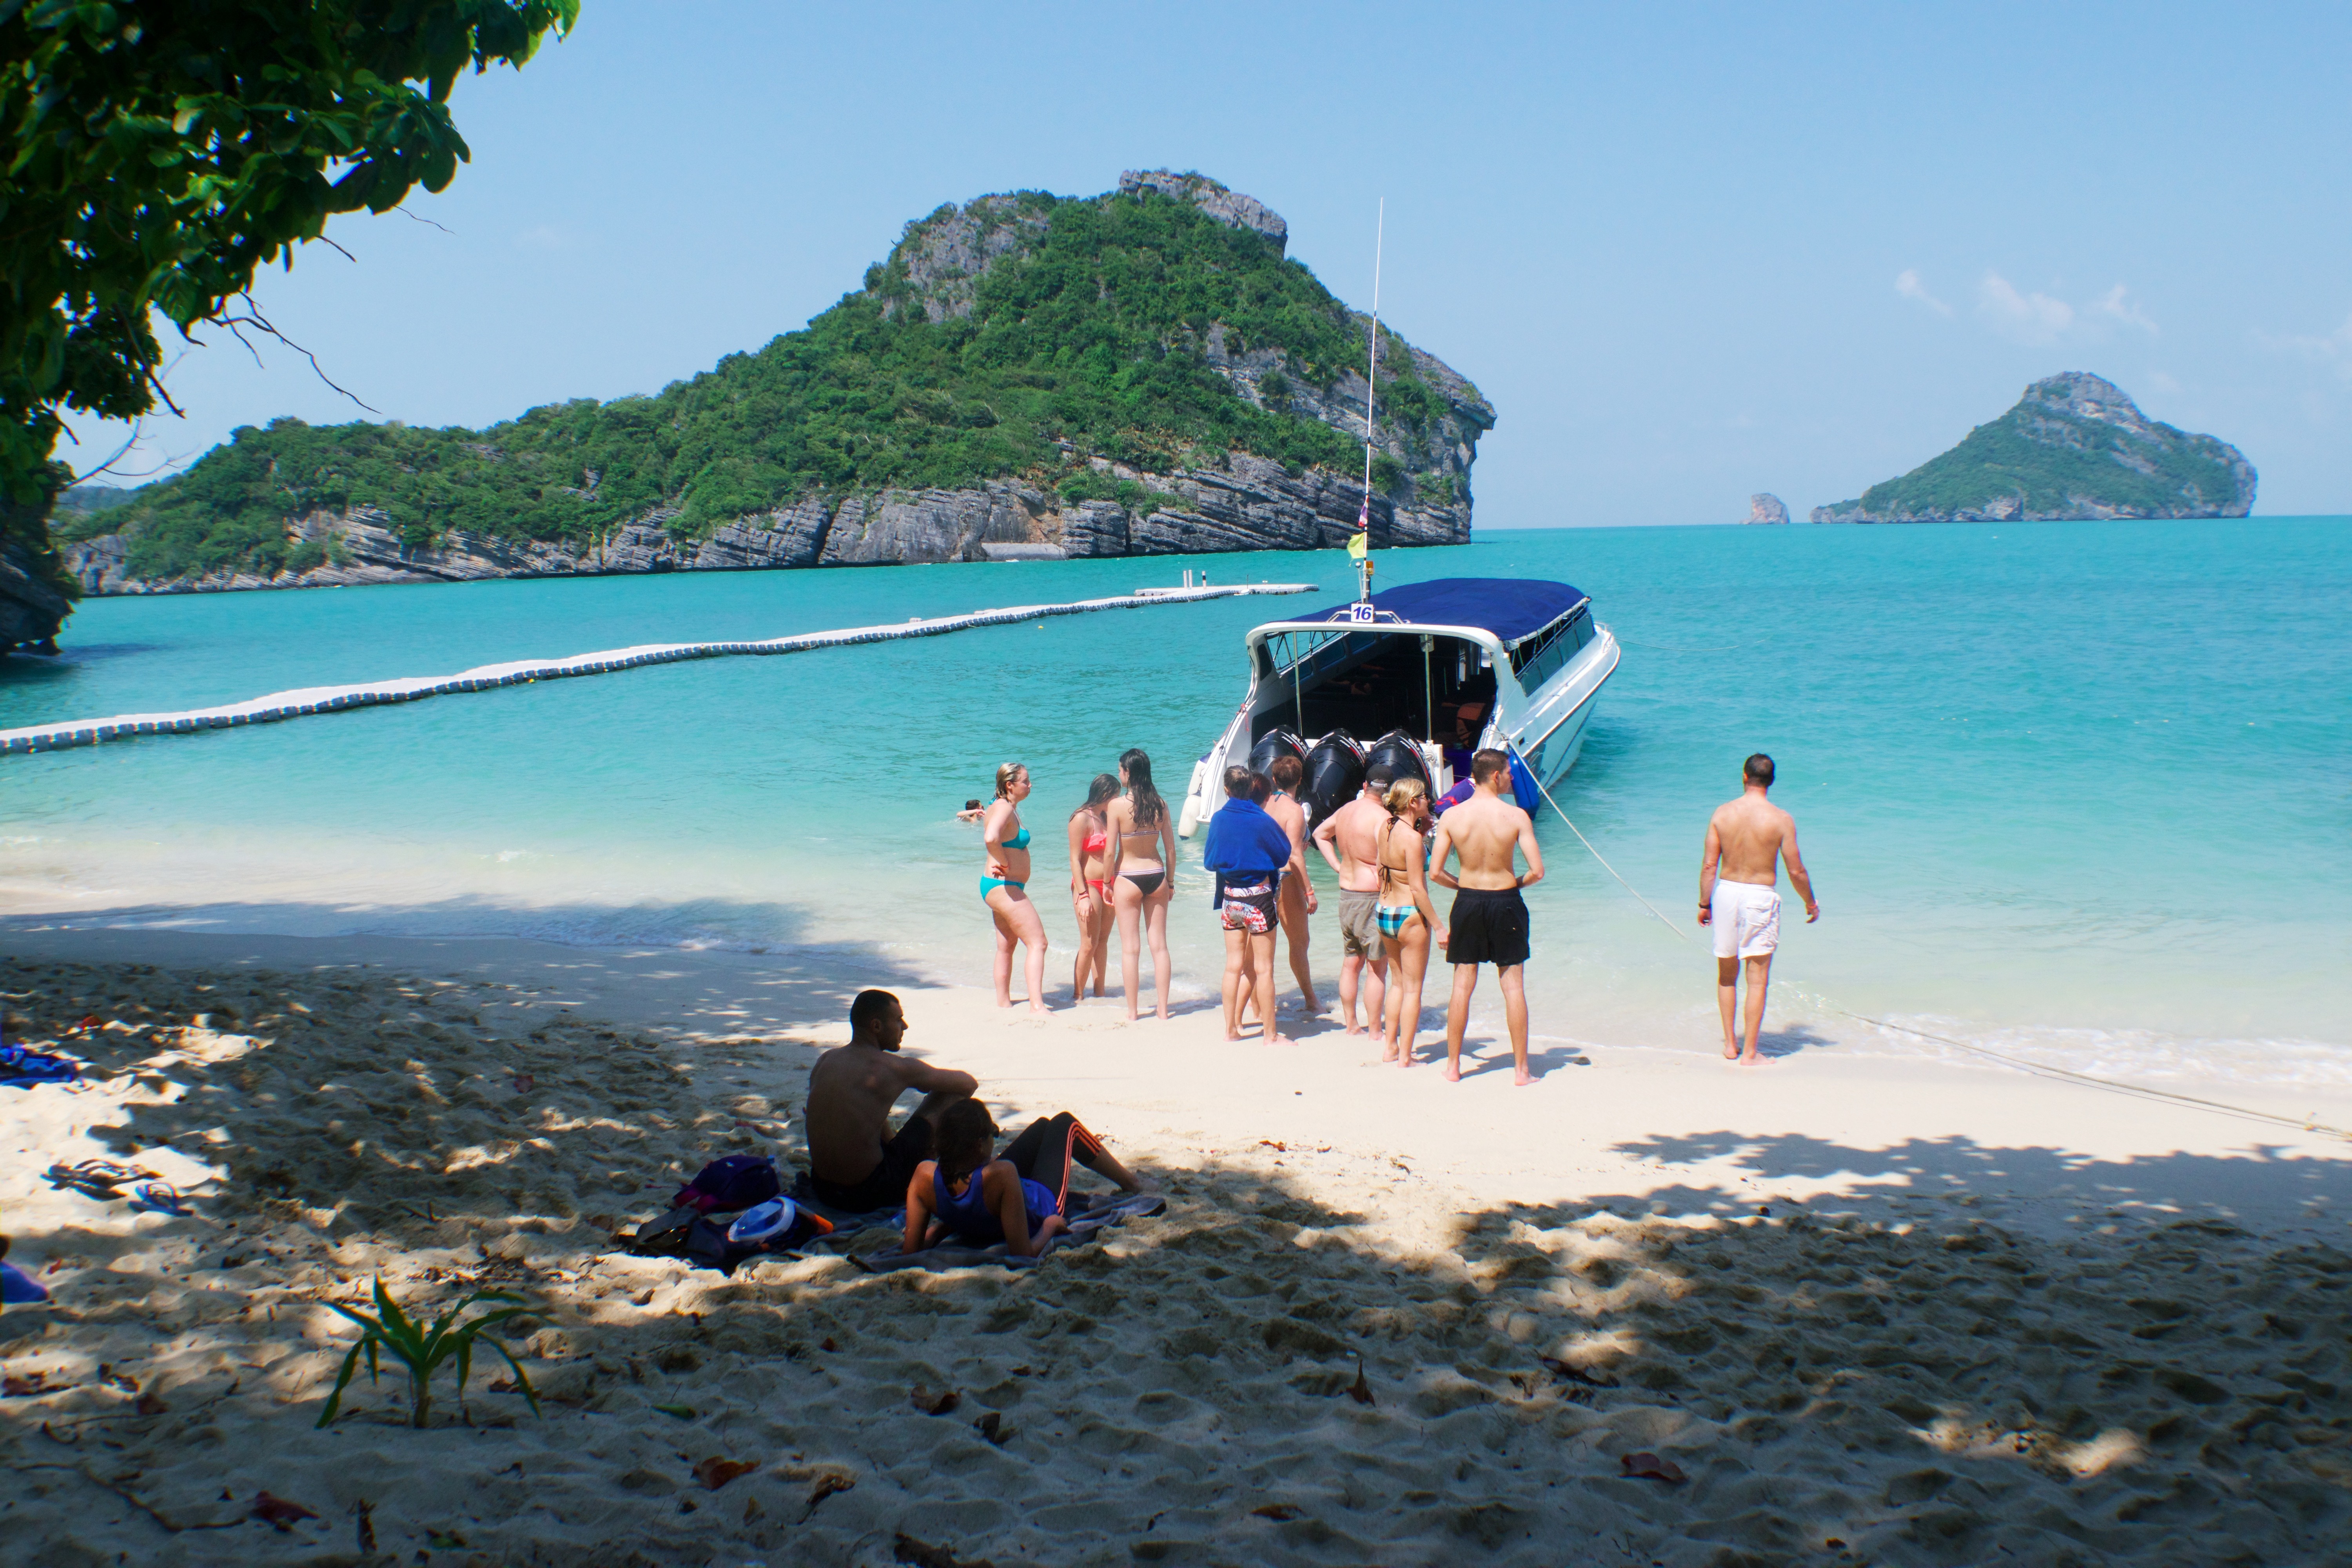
(1360, 545)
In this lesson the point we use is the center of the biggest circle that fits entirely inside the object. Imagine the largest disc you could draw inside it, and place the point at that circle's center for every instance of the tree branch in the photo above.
(254, 318)
(402, 208)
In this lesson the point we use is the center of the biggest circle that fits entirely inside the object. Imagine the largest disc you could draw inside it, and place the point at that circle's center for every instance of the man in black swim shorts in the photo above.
(855, 1163)
(1489, 922)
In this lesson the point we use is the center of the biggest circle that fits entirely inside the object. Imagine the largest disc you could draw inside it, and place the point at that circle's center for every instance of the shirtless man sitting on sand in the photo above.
(1345, 838)
(855, 1162)
(1489, 922)
(1738, 896)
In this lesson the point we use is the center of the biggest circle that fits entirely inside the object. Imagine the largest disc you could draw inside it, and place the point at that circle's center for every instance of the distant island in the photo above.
(1138, 373)
(2075, 447)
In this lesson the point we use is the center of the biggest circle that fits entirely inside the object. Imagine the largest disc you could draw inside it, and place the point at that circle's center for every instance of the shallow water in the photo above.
(2076, 791)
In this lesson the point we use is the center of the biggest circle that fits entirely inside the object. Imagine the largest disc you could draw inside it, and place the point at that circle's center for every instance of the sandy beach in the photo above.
(1867, 1311)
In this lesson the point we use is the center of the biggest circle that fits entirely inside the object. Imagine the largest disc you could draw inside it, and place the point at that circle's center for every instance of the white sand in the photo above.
(1988, 1316)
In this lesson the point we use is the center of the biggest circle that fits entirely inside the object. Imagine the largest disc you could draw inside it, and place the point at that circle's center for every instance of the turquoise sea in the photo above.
(2081, 791)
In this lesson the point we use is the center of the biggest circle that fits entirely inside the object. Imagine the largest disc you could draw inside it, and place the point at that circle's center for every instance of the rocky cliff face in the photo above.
(2075, 447)
(1231, 501)
(1766, 509)
(1247, 505)
(32, 599)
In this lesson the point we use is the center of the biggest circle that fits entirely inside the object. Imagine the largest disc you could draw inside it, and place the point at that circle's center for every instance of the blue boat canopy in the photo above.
(1511, 608)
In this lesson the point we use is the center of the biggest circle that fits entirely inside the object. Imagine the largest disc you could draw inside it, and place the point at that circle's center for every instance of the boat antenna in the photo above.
(1361, 547)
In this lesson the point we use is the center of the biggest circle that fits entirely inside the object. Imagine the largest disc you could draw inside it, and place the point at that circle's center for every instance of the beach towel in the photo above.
(18, 1288)
(21, 1068)
(1099, 1215)
(845, 1222)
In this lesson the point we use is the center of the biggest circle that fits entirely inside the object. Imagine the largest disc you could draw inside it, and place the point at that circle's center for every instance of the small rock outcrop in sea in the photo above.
(2075, 447)
(1024, 376)
(1766, 509)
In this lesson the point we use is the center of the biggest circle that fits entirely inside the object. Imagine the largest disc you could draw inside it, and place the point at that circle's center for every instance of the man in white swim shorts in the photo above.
(1738, 896)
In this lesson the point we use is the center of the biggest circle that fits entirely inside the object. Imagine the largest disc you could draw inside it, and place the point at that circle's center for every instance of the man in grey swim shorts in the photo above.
(1738, 896)
(1347, 839)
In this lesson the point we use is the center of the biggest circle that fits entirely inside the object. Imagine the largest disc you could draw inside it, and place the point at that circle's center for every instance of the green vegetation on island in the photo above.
(2074, 447)
(1074, 328)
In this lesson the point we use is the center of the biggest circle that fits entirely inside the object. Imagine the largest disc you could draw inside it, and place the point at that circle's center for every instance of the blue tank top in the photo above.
(969, 1216)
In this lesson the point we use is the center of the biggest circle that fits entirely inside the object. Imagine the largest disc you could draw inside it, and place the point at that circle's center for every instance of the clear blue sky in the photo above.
(1689, 251)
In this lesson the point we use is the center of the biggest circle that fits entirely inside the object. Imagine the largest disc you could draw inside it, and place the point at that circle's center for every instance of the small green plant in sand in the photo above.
(423, 1350)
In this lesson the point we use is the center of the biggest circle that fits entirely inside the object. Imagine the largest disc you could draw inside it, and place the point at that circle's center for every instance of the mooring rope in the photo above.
(1661, 648)
(1605, 865)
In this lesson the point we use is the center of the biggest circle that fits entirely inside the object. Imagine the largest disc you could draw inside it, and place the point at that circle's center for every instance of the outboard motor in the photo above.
(1402, 754)
(1275, 742)
(1334, 775)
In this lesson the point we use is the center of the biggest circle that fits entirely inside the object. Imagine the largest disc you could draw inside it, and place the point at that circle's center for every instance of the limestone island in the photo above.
(2075, 448)
(1139, 372)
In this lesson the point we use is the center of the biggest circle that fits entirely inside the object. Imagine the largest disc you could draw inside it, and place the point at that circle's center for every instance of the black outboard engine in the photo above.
(1275, 742)
(1402, 752)
(1334, 775)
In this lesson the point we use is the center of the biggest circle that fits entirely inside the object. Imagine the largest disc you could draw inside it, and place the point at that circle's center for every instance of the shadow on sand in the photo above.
(1257, 1376)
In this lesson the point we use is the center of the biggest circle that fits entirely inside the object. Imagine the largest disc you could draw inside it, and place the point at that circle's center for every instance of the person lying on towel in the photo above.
(972, 1196)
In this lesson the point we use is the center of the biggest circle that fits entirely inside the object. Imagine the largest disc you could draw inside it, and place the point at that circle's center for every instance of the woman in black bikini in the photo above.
(1089, 833)
(1142, 849)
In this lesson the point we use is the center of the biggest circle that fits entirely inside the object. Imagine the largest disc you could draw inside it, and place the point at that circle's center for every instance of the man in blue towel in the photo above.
(1249, 852)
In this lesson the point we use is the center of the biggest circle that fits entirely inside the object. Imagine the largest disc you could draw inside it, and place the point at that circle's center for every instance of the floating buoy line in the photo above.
(308, 701)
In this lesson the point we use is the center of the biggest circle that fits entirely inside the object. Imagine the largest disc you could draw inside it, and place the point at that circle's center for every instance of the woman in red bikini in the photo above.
(1142, 851)
(1090, 884)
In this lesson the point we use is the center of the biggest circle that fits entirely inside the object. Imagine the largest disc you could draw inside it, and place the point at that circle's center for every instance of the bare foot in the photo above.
(1404, 1060)
(1453, 1073)
(1280, 1039)
(1521, 1078)
(1040, 1009)
(1751, 1061)
(1161, 1014)
(1731, 1052)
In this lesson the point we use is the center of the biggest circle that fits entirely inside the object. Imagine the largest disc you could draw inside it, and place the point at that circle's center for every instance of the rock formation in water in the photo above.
(1766, 509)
(1139, 372)
(2075, 447)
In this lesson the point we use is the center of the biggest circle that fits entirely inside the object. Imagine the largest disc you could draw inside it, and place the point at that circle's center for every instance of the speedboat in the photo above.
(1417, 677)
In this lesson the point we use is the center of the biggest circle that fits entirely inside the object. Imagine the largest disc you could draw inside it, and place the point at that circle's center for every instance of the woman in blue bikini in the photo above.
(971, 1194)
(1405, 917)
(1003, 887)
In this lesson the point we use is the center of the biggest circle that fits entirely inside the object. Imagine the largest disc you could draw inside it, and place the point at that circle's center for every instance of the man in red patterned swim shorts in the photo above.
(1249, 852)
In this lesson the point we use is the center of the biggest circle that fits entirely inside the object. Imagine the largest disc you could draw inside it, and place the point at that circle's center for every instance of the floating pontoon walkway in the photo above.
(334, 699)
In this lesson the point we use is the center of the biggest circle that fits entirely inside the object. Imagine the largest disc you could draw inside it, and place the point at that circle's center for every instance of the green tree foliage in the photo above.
(1088, 340)
(160, 151)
